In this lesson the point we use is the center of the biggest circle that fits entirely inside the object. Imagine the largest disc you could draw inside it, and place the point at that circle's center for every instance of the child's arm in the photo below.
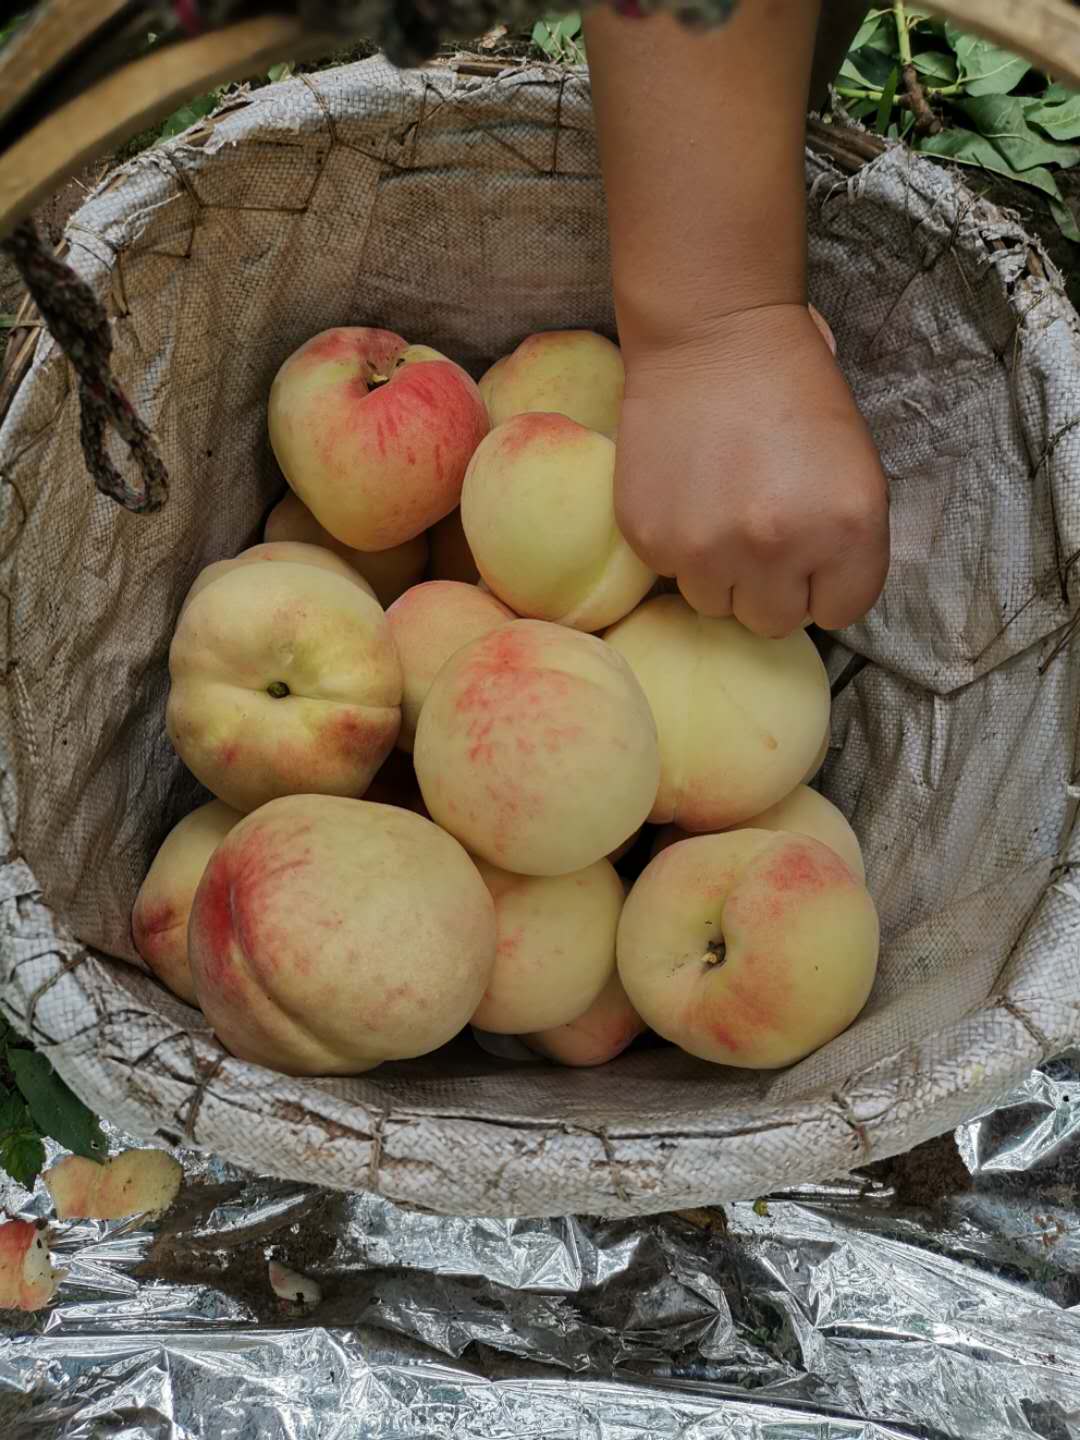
(744, 468)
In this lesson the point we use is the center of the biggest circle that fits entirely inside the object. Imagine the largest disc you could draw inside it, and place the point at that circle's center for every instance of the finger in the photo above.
(844, 590)
(708, 593)
(773, 603)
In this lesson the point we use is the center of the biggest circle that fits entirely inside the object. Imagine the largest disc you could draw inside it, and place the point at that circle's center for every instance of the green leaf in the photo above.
(13, 1112)
(868, 66)
(985, 70)
(870, 28)
(188, 114)
(888, 95)
(55, 1109)
(964, 147)
(1056, 92)
(22, 1155)
(282, 71)
(1059, 121)
(542, 37)
(936, 66)
(1001, 120)
(1066, 220)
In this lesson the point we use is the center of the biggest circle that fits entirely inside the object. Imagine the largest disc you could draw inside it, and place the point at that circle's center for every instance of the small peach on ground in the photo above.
(135, 1182)
(27, 1278)
(748, 949)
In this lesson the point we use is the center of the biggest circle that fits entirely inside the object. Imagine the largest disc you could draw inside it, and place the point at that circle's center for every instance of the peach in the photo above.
(569, 372)
(803, 812)
(748, 949)
(554, 949)
(537, 749)
(430, 623)
(603, 1031)
(284, 680)
(451, 558)
(538, 509)
(292, 1287)
(388, 572)
(288, 550)
(135, 1182)
(27, 1278)
(374, 434)
(328, 935)
(740, 717)
(159, 920)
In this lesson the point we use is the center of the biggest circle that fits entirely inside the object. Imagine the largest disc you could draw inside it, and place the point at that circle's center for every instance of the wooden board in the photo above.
(134, 97)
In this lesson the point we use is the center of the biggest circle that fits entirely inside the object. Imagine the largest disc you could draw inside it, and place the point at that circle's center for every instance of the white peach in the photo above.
(748, 949)
(27, 1278)
(159, 919)
(740, 717)
(537, 749)
(292, 552)
(388, 572)
(538, 507)
(134, 1182)
(329, 935)
(285, 681)
(554, 949)
(603, 1031)
(803, 812)
(429, 623)
(568, 372)
(373, 434)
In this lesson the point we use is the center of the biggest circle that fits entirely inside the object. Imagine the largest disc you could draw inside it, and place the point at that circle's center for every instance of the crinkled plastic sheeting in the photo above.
(841, 1312)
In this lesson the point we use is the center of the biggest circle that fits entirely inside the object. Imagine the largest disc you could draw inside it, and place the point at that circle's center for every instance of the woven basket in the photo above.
(468, 213)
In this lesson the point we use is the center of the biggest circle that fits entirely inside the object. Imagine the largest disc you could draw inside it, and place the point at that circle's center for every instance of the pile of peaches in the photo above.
(420, 809)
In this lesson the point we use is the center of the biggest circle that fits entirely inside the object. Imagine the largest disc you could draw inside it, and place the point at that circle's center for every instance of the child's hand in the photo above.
(745, 471)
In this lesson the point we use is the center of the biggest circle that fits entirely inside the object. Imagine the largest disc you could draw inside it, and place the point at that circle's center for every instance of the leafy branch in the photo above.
(962, 99)
(560, 38)
(35, 1103)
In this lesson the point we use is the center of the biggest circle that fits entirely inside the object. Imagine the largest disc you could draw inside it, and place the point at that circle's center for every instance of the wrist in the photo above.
(741, 337)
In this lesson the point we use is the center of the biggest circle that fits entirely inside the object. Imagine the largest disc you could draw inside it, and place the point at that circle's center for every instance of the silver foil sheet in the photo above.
(938, 1296)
